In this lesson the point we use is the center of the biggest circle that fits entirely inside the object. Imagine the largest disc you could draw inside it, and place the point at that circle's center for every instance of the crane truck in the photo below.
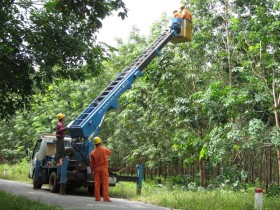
(74, 172)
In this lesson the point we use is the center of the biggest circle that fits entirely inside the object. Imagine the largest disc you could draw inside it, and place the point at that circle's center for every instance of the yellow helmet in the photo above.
(97, 140)
(182, 5)
(60, 116)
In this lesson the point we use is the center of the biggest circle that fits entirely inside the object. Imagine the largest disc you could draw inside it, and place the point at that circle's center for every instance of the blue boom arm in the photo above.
(87, 124)
(90, 119)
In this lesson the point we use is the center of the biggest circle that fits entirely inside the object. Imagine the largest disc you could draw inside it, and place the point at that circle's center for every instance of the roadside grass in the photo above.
(167, 194)
(11, 202)
(18, 172)
(179, 197)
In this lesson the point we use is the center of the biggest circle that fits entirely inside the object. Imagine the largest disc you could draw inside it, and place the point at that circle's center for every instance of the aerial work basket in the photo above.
(184, 27)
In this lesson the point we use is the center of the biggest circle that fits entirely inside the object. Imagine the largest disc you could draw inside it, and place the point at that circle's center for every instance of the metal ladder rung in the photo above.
(114, 83)
(83, 116)
(77, 122)
(125, 70)
(123, 74)
(110, 88)
(107, 92)
(119, 79)
(100, 98)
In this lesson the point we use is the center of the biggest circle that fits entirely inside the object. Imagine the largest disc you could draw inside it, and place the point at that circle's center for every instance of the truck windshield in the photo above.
(36, 148)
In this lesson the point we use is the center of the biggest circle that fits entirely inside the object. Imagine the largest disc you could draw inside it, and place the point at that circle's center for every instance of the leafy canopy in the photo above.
(37, 36)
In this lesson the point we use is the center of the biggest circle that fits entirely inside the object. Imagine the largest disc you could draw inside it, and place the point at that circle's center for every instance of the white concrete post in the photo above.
(258, 199)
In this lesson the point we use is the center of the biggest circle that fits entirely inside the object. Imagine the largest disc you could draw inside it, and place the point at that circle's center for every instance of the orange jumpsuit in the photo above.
(186, 15)
(99, 165)
(176, 15)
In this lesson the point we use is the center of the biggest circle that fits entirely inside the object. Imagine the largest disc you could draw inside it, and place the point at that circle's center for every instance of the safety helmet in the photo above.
(182, 5)
(60, 116)
(97, 140)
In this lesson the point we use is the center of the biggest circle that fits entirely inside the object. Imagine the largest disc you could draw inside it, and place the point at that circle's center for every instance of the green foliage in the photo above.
(273, 191)
(275, 137)
(16, 66)
(22, 131)
(54, 40)
(11, 202)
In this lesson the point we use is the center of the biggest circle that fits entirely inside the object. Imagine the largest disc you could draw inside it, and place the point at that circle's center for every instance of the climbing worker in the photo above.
(176, 14)
(60, 133)
(185, 14)
(99, 166)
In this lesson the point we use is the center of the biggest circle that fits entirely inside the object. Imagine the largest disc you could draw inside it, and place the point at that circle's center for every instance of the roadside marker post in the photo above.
(258, 199)
(140, 178)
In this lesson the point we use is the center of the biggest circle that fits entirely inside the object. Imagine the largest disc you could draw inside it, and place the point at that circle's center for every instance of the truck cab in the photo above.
(44, 151)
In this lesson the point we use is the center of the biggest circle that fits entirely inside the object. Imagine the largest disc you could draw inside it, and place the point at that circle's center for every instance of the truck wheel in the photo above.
(36, 184)
(53, 182)
(70, 153)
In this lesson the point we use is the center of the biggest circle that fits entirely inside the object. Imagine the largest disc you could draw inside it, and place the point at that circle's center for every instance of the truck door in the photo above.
(33, 156)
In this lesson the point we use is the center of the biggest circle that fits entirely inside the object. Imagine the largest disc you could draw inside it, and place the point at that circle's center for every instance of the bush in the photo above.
(273, 190)
(18, 171)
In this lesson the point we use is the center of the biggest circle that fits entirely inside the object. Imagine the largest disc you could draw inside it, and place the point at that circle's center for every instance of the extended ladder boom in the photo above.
(90, 119)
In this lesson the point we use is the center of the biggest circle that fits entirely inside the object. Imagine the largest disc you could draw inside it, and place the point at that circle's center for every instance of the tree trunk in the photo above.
(275, 108)
(227, 41)
(202, 173)
(165, 171)
(266, 156)
(261, 168)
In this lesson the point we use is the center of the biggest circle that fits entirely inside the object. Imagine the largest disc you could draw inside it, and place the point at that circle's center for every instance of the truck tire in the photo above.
(70, 153)
(53, 183)
(36, 184)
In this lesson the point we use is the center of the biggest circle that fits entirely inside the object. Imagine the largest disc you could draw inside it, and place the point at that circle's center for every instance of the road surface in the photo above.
(75, 201)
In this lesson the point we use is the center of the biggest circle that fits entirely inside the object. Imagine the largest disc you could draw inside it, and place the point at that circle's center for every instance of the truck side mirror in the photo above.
(27, 152)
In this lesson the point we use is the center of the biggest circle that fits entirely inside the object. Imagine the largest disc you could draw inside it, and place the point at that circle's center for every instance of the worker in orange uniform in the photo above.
(99, 166)
(176, 14)
(185, 14)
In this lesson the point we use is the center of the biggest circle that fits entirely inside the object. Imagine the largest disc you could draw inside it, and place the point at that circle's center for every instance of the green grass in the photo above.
(18, 172)
(180, 198)
(11, 202)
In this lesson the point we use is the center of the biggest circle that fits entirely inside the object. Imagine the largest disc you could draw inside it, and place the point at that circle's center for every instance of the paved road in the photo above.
(77, 201)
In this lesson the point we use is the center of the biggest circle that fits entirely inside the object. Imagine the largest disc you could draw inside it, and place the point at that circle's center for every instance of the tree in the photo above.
(36, 38)
(184, 116)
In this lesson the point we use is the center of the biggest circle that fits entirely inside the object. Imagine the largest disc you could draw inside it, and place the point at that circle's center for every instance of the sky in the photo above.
(141, 13)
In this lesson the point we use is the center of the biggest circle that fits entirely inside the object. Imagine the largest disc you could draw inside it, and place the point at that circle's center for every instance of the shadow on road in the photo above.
(77, 192)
